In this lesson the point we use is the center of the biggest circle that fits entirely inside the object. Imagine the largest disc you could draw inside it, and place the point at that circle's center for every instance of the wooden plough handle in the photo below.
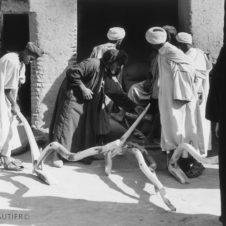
(64, 153)
(151, 175)
(35, 153)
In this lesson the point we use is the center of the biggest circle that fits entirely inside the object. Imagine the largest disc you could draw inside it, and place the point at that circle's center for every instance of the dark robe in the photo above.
(215, 111)
(77, 123)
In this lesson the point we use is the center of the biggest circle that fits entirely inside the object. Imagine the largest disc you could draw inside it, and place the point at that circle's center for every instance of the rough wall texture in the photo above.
(205, 20)
(53, 25)
(15, 6)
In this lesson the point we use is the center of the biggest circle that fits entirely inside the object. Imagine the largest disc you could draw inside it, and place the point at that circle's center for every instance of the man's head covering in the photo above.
(113, 55)
(171, 29)
(116, 33)
(34, 49)
(156, 35)
(184, 37)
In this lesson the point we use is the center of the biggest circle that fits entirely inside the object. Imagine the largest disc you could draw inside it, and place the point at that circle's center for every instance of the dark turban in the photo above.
(114, 55)
(171, 29)
(34, 49)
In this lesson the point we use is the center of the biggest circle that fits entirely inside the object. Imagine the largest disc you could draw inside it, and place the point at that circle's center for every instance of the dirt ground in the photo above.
(85, 196)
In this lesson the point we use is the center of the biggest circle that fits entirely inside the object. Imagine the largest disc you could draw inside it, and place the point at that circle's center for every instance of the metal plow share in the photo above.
(146, 163)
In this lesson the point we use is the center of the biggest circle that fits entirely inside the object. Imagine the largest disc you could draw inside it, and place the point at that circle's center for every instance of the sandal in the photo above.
(11, 164)
(17, 161)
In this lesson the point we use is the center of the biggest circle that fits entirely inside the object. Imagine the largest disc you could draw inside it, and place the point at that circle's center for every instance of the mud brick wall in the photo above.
(205, 20)
(53, 26)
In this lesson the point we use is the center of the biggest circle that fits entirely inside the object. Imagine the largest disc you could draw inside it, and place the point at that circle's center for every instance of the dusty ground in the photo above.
(84, 196)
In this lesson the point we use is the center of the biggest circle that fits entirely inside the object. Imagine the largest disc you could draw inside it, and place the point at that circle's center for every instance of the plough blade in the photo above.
(108, 163)
(178, 174)
(165, 199)
(47, 178)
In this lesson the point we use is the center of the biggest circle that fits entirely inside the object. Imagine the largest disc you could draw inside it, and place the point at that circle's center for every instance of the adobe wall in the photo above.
(15, 6)
(53, 25)
(205, 20)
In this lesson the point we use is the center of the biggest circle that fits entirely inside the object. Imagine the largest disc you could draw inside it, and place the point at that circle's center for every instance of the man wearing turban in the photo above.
(12, 73)
(201, 63)
(115, 36)
(142, 92)
(177, 96)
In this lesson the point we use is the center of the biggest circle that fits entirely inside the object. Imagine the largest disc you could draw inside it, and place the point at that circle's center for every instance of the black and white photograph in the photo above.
(112, 113)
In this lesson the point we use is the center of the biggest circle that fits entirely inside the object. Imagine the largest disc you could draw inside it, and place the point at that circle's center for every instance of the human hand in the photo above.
(138, 109)
(147, 85)
(217, 130)
(15, 108)
(200, 98)
(87, 93)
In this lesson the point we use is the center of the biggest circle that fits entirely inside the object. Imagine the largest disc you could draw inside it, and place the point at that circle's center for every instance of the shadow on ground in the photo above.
(52, 210)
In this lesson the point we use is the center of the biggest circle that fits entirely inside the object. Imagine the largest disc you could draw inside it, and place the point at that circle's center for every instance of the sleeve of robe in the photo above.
(12, 75)
(97, 52)
(114, 91)
(182, 83)
(83, 73)
(94, 53)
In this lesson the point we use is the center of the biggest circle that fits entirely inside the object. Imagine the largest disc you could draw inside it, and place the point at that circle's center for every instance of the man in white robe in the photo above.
(201, 63)
(12, 73)
(142, 92)
(177, 96)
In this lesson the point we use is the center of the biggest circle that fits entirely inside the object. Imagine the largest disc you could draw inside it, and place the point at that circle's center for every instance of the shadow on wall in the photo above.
(50, 97)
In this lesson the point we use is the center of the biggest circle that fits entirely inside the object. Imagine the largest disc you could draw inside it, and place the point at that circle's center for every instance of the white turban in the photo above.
(156, 35)
(184, 37)
(116, 33)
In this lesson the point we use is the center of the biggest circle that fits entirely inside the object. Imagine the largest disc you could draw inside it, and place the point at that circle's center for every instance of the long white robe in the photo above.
(202, 63)
(179, 121)
(138, 94)
(10, 67)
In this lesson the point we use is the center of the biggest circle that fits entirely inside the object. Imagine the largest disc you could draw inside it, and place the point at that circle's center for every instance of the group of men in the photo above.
(180, 86)
(179, 81)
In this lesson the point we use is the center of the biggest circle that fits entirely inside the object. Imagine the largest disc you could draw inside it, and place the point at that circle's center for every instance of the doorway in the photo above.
(15, 35)
(136, 16)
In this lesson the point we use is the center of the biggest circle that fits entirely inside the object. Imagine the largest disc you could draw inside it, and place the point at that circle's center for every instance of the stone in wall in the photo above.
(204, 19)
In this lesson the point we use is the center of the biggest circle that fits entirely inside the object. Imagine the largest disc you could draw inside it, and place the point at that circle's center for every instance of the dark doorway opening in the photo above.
(15, 35)
(136, 16)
